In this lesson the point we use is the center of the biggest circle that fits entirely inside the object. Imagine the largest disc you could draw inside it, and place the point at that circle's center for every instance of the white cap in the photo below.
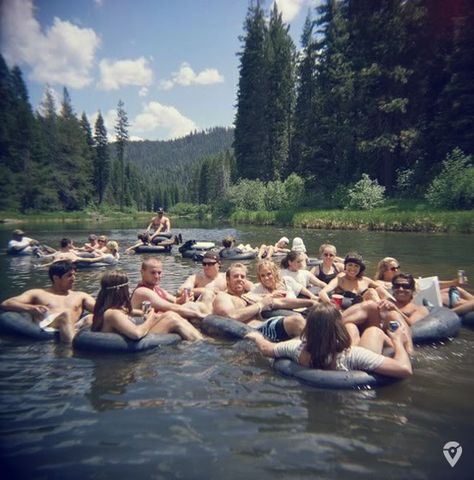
(284, 240)
(298, 245)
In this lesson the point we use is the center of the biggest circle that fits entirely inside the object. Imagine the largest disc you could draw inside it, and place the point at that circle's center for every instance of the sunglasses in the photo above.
(404, 286)
(101, 241)
(395, 269)
(208, 264)
(329, 254)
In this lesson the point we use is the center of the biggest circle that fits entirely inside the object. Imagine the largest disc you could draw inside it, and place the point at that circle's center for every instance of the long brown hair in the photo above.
(113, 293)
(290, 257)
(324, 335)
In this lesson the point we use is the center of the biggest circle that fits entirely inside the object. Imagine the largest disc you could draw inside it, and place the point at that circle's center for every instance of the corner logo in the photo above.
(452, 452)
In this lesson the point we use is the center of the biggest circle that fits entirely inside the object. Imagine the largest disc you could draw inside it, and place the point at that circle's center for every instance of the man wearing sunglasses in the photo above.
(400, 308)
(209, 278)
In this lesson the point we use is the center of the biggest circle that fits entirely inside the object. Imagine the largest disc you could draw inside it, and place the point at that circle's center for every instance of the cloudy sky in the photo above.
(172, 62)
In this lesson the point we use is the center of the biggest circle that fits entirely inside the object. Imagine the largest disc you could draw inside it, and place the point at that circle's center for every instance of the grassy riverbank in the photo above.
(395, 216)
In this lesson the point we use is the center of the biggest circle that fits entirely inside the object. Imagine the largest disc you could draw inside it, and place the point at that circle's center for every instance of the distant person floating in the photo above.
(158, 224)
(23, 245)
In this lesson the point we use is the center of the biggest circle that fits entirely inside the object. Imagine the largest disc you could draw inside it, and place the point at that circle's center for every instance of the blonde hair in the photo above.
(383, 266)
(272, 267)
(325, 246)
(235, 266)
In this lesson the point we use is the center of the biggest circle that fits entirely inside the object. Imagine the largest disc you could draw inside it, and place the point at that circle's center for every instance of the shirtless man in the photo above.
(55, 307)
(209, 278)
(149, 290)
(158, 224)
(234, 303)
(379, 314)
(20, 243)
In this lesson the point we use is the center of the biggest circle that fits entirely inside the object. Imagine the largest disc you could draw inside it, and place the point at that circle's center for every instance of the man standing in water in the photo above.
(236, 304)
(56, 307)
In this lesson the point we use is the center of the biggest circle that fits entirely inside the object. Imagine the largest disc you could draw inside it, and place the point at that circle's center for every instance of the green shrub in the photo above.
(453, 188)
(247, 195)
(295, 191)
(275, 196)
(366, 194)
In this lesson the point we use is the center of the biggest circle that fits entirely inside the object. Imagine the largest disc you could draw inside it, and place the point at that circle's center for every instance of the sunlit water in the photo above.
(216, 409)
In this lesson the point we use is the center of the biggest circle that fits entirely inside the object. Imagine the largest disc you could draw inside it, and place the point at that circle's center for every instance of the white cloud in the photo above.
(187, 76)
(290, 9)
(143, 92)
(164, 120)
(62, 54)
(113, 75)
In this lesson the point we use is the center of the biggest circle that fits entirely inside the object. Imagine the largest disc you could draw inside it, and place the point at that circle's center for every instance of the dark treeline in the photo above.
(379, 87)
(52, 160)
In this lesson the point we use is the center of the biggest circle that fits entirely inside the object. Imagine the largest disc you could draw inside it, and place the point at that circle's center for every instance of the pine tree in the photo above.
(280, 97)
(101, 158)
(121, 136)
(251, 138)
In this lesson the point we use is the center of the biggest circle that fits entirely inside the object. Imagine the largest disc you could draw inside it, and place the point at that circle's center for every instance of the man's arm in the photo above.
(88, 302)
(190, 282)
(26, 302)
(223, 305)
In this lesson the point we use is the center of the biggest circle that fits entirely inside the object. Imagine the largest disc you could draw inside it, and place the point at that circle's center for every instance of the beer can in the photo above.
(461, 277)
(146, 305)
(393, 325)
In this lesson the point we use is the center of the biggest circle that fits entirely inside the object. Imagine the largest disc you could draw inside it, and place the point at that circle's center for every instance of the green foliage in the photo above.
(247, 195)
(366, 194)
(405, 185)
(295, 190)
(453, 188)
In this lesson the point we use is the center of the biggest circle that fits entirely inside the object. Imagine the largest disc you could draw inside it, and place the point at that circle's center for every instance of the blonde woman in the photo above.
(271, 282)
(331, 267)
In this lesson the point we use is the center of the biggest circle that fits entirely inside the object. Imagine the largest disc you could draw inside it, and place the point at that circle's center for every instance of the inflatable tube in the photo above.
(468, 319)
(82, 265)
(217, 326)
(163, 236)
(115, 343)
(153, 249)
(278, 313)
(335, 379)
(16, 323)
(235, 254)
(439, 324)
(195, 250)
(313, 262)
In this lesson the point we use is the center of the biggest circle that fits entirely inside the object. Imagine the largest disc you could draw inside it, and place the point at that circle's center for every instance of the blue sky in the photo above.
(172, 62)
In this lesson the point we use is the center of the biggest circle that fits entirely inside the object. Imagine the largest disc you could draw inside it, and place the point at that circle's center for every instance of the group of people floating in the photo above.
(341, 319)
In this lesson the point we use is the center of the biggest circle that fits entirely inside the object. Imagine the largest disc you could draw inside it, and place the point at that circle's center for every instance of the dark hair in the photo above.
(354, 257)
(405, 276)
(213, 255)
(290, 257)
(227, 242)
(65, 242)
(113, 293)
(324, 335)
(60, 268)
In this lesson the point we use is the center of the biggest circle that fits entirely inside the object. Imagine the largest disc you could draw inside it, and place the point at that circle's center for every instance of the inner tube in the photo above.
(162, 236)
(22, 324)
(441, 323)
(153, 249)
(115, 343)
(106, 263)
(217, 326)
(334, 379)
(195, 250)
(237, 254)
(468, 319)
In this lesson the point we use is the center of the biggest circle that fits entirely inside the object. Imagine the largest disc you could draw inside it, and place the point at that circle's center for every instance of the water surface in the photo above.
(216, 409)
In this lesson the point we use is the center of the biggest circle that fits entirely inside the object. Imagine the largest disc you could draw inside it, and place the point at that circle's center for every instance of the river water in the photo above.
(216, 409)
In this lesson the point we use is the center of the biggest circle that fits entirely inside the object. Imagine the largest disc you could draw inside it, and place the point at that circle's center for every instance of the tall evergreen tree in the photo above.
(251, 139)
(101, 158)
(280, 97)
(121, 136)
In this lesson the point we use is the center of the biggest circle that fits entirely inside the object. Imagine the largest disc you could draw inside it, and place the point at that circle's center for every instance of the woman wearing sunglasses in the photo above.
(331, 265)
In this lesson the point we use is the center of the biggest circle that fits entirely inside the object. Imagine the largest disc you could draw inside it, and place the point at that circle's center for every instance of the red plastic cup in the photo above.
(337, 300)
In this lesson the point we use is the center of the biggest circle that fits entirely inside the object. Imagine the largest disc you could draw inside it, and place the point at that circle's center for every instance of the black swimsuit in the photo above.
(327, 277)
